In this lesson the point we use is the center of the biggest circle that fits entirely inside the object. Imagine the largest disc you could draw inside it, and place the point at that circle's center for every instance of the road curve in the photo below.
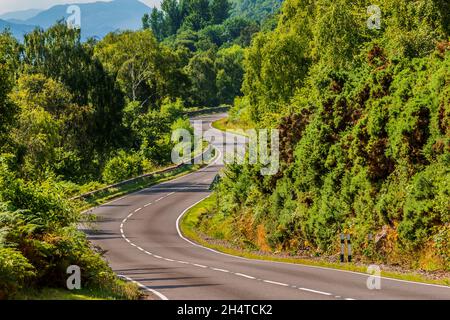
(140, 235)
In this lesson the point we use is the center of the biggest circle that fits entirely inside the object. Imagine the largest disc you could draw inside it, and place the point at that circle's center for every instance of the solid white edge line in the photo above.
(180, 234)
(243, 258)
(158, 294)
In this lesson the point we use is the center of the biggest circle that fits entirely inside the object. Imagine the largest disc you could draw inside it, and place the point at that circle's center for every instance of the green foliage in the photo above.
(255, 9)
(146, 71)
(40, 239)
(200, 32)
(188, 14)
(15, 271)
(72, 114)
(363, 118)
(8, 62)
(201, 71)
(230, 73)
(91, 94)
(122, 167)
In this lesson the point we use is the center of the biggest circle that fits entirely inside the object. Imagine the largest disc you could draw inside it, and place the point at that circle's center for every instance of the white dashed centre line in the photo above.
(203, 266)
(220, 270)
(245, 276)
(315, 291)
(276, 283)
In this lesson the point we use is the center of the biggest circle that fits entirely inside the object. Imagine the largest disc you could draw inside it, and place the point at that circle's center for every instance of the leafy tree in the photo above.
(145, 71)
(220, 11)
(173, 15)
(8, 63)
(202, 73)
(230, 73)
(240, 30)
(59, 54)
(255, 9)
(156, 23)
(51, 132)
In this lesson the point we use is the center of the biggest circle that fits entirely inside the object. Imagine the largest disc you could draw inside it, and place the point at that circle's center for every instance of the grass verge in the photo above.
(190, 222)
(117, 289)
(225, 124)
(64, 294)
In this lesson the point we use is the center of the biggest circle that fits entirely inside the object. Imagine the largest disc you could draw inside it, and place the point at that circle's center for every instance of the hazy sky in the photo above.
(15, 5)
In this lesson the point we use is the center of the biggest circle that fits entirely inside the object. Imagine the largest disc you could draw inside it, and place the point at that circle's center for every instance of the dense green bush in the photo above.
(364, 127)
(15, 272)
(122, 167)
(39, 238)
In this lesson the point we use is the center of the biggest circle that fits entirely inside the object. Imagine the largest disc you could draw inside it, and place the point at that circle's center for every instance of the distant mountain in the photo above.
(97, 18)
(17, 30)
(20, 16)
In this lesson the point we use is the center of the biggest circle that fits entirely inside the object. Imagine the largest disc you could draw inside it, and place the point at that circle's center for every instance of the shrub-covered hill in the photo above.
(364, 119)
(255, 9)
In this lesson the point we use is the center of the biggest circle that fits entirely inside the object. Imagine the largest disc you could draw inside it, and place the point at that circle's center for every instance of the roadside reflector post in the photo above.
(342, 247)
(349, 249)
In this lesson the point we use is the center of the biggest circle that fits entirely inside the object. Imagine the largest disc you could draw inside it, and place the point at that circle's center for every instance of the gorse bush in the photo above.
(364, 127)
(15, 272)
(122, 167)
(39, 239)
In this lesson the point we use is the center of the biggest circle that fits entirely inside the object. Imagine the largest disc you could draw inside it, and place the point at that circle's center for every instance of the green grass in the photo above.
(117, 290)
(189, 224)
(225, 124)
(59, 294)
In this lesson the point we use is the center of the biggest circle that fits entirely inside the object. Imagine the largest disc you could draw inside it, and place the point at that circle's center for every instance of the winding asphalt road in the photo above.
(143, 244)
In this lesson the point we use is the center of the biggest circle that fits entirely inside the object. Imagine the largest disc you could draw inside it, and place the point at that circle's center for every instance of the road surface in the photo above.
(143, 244)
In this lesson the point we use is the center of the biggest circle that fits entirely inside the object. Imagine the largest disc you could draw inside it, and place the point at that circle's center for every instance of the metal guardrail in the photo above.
(148, 175)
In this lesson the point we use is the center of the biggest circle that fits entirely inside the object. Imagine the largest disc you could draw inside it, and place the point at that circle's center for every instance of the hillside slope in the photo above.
(364, 120)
